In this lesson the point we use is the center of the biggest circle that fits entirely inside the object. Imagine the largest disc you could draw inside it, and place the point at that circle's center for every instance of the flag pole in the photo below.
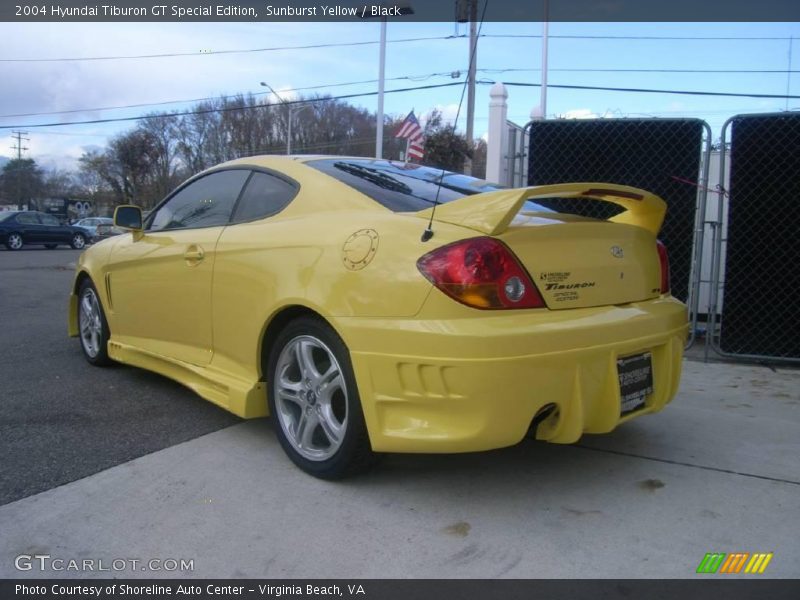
(408, 147)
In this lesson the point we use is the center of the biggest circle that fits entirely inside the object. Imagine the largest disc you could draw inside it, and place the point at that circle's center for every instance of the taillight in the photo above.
(664, 260)
(482, 273)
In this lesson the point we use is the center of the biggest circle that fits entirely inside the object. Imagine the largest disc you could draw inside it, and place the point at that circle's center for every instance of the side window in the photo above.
(28, 219)
(49, 220)
(264, 195)
(204, 203)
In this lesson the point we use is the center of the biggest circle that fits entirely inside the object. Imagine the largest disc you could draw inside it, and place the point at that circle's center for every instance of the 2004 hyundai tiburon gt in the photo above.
(370, 306)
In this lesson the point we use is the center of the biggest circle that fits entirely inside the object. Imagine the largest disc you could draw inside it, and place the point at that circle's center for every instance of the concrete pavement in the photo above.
(718, 470)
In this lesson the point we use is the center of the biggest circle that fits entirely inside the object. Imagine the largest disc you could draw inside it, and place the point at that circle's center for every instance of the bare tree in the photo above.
(157, 136)
(145, 163)
(59, 183)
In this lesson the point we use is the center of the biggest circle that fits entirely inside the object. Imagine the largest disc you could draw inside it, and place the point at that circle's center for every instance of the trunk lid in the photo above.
(574, 261)
(584, 262)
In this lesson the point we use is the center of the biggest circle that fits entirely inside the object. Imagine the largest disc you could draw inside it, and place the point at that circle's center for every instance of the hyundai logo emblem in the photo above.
(617, 252)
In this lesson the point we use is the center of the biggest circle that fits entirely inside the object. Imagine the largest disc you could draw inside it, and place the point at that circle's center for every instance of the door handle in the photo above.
(194, 254)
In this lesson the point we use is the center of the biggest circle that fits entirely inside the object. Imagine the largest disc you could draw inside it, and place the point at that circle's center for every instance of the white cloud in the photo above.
(449, 112)
(579, 113)
(48, 87)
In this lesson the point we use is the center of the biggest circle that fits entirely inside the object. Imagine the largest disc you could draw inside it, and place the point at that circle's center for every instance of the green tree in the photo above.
(22, 181)
(444, 148)
(479, 159)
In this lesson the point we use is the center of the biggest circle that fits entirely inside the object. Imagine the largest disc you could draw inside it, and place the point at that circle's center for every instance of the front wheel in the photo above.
(14, 241)
(93, 327)
(314, 402)
(78, 241)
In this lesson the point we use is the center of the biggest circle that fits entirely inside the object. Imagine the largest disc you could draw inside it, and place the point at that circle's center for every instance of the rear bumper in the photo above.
(469, 384)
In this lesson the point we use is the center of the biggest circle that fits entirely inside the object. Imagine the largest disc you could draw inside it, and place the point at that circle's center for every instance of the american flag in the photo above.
(411, 130)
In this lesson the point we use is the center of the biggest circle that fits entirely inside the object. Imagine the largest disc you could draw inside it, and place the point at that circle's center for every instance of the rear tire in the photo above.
(92, 326)
(314, 404)
(14, 241)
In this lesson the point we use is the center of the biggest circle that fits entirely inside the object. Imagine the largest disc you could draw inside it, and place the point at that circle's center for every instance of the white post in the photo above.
(381, 74)
(498, 134)
(543, 102)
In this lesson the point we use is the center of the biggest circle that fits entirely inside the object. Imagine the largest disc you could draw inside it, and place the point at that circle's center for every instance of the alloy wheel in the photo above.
(90, 322)
(311, 398)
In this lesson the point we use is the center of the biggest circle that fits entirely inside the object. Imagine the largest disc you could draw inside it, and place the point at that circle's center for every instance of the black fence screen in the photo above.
(759, 313)
(659, 155)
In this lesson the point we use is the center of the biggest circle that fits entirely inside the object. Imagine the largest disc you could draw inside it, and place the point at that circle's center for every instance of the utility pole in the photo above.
(789, 72)
(20, 137)
(381, 80)
(545, 43)
(473, 59)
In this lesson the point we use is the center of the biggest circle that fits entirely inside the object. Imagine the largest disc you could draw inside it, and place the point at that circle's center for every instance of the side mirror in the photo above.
(128, 217)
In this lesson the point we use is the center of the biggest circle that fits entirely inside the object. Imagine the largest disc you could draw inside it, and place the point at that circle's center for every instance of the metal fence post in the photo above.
(716, 256)
(693, 300)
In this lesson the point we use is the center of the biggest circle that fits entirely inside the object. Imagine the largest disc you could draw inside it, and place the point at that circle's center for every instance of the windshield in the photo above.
(6, 215)
(402, 187)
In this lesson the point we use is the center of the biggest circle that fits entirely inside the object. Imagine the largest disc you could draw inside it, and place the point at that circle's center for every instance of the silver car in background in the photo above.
(99, 228)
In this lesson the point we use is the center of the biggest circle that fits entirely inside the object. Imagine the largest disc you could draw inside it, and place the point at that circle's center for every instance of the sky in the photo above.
(85, 86)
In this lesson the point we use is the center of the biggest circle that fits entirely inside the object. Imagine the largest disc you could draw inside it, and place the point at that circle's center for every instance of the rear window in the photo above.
(402, 187)
(264, 195)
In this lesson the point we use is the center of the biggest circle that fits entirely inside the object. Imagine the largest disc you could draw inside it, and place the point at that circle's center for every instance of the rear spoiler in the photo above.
(492, 212)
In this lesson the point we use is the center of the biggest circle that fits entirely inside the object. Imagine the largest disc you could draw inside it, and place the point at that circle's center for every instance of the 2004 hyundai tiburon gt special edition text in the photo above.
(371, 306)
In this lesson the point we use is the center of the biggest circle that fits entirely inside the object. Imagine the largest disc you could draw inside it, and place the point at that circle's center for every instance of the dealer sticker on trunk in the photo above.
(635, 380)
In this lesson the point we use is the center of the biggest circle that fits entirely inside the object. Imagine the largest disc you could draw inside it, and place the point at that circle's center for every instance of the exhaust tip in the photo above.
(544, 413)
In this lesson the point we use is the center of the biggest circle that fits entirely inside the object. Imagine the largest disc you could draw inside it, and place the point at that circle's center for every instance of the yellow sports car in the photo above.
(372, 306)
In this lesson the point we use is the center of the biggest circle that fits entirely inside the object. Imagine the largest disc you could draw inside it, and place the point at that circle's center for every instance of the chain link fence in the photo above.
(668, 157)
(734, 241)
(756, 240)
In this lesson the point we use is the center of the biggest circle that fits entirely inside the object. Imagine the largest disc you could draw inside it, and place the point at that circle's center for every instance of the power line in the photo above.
(397, 41)
(49, 132)
(642, 91)
(601, 70)
(230, 108)
(641, 37)
(410, 89)
(240, 51)
(225, 96)
(402, 78)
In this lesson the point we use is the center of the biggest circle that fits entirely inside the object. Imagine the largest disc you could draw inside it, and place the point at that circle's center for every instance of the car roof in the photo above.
(287, 163)
(276, 160)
